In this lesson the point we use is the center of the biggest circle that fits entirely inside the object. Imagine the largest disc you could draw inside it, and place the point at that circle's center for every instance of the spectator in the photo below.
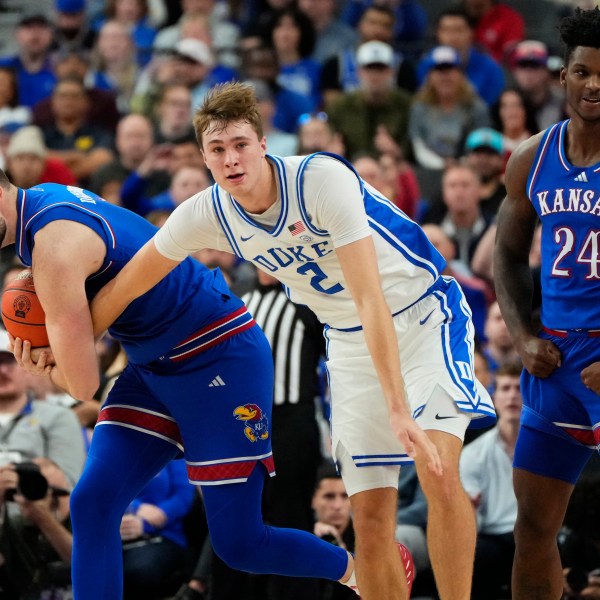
(333, 521)
(11, 114)
(514, 117)
(532, 76)
(153, 536)
(460, 216)
(224, 34)
(445, 109)
(484, 153)
(134, 141)
(83, 146)
(261, 63)
(72, 32)
(357, 115)
(32, 428)
(133, 14)
(340, 72)
(28, 162)
(292, 35)
(173, 113)
(455, 29)
(477, 292)
(498, 27)
(410, 21)
(186, 182)
(35, 78)
(191, 63)
(279, 142)
(102, 105)
(114, 63)
(499, 348)
(35, 542)
(369, 169)
(400, 176)
(316, 134)
(332, 34)
(486, 473)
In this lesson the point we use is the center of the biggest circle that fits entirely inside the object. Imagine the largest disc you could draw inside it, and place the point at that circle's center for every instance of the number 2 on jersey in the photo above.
(318, 277)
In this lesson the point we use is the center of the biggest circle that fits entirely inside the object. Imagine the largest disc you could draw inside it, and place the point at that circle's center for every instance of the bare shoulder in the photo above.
(519, 165)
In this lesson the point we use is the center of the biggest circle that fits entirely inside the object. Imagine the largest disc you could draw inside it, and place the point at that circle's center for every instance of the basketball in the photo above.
(22, 313)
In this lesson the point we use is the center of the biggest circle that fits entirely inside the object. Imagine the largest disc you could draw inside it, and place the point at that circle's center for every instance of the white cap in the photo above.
(375, 53)
(195, 50)
(27, 140)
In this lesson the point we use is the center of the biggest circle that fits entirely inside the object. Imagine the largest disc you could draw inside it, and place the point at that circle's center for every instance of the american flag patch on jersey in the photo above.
(297, 227)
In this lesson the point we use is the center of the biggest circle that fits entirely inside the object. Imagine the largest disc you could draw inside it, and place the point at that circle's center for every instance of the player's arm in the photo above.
(139, 275)
(359, 265)
(517, 220)
(64, 255)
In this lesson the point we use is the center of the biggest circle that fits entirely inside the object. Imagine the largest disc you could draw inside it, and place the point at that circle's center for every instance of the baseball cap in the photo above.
(530, 52)
(70, 6)
(375, 53)
(27, 140)
(442, 56)
(485, 137)
(194, 50)
(33, 18)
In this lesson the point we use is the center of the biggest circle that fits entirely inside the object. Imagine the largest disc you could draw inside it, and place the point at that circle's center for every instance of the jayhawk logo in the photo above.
(257, 425)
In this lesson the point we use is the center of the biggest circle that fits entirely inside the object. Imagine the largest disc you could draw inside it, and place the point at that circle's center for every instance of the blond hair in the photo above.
(225, 104)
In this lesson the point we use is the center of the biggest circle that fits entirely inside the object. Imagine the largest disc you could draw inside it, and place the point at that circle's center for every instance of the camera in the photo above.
(32, 485)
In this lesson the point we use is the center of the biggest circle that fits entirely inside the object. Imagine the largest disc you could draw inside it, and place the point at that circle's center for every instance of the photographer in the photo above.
(35, 539)
(32, 433)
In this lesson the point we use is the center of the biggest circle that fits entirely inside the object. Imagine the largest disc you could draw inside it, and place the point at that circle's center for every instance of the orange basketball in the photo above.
(22, 313)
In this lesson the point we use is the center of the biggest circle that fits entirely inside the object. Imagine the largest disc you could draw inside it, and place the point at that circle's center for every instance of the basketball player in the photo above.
(200, 376)
(371, 275)
(554, 178)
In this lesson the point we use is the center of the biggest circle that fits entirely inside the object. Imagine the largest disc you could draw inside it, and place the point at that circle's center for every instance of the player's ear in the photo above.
(263, 145)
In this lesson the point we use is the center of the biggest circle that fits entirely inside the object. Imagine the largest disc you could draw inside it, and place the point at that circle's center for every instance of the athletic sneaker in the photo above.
(407, 562)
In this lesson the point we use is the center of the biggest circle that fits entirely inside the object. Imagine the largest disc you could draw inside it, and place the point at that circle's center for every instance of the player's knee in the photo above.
(237, 552)
(444, 490)
(532, 527)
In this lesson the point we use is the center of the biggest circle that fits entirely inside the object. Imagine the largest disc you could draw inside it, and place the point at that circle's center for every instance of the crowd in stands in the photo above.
(426, 106)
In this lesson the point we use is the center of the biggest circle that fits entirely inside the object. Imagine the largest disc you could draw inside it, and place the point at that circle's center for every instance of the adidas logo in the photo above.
(216, 382)
(581, 177)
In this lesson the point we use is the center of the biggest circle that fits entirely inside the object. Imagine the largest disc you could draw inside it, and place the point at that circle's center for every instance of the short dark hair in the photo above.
(582, 28)
(456, 11)
(512, 368)
(327, 470)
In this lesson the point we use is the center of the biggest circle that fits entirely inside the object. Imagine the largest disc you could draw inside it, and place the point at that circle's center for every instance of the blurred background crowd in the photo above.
(426, 98)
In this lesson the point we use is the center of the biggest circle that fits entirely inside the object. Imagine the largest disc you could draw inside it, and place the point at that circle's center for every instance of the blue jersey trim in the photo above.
(216, 198)
(285, 202)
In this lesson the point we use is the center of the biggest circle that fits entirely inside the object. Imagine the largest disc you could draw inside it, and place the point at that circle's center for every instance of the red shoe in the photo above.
(409, 565)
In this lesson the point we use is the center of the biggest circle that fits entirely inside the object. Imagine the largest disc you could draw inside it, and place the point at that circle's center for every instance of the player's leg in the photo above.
(242, 540)
(451, 525)
(373, 495)
(544, 463)
(121, 461)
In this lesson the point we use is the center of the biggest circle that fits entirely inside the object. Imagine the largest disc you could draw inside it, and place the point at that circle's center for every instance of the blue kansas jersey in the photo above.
(188, 299)
(567, 200)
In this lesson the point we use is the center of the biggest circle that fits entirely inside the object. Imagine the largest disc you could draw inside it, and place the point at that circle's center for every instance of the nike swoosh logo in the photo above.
(423, 321)
(438, 417)
(245, 239)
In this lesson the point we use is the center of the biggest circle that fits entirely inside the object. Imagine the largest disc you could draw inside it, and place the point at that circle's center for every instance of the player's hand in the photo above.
(540, 357)
(415, 440)
(22, 352)
(591, 377)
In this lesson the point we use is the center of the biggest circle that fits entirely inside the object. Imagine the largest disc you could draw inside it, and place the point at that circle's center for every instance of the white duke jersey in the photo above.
(322, 205)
